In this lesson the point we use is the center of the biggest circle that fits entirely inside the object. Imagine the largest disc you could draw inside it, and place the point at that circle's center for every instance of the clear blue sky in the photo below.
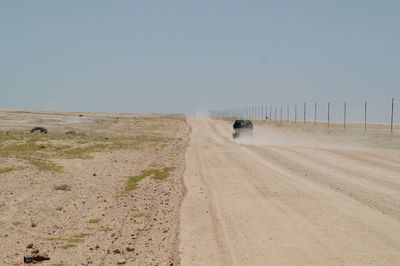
(184, 56)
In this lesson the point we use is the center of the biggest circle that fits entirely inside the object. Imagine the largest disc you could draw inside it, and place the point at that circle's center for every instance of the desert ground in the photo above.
(124, 189)
(100, 189)
(291, 195)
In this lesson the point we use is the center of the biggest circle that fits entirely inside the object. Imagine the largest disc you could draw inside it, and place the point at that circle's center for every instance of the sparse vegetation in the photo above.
(138, 214)
(4, 170)
(40, 150)
(162, 173)
(158, 174)
(133, 182)
(62, 187)
(67, 246)
(97, 202)
(70, 242)
(94, 221)
(105, 229)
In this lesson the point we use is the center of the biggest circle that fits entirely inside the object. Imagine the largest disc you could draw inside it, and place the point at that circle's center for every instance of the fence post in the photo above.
(305, 112)
(295, 114)
(276, 110)
(391, 119)
(315, 113)
(345, 116)
(365, 118)
(281, 115)
(329, 113)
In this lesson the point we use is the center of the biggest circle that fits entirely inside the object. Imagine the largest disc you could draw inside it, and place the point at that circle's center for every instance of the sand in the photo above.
(291, 195)
(77, 210)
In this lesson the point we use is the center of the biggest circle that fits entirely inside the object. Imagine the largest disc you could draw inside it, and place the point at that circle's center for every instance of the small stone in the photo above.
(30, 245)
(130, 249)
(116, 251)
(35, 251)
(121, 262)
(94, 174)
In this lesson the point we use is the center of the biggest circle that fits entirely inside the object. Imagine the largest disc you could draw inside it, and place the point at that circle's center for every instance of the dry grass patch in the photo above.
(105, 229)
(40, 150)
(94, 221)
(137, 214)
(69, 242)
(159, 174)
(5, 170)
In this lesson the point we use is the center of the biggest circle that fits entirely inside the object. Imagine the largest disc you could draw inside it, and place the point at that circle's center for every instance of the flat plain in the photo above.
(96, 189)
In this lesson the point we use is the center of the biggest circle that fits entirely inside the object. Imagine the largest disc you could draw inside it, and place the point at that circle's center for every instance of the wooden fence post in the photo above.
(391, 119)
(365, 117)
(329, 113)
(344, 115)
(315, 113)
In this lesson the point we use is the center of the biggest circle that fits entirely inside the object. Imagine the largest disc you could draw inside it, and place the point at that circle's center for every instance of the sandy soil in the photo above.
(77, 209)
(290, 196)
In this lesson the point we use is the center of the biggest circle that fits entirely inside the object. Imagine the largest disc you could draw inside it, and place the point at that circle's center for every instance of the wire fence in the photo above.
(310, 114)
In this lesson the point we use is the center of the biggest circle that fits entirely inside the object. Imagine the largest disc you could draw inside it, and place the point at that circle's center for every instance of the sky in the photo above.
(187, 56)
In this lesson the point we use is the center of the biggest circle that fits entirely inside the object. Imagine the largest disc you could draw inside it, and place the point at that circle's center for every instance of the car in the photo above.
(242, 128)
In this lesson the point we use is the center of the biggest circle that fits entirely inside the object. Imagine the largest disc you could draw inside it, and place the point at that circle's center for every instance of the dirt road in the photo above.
(289, 198)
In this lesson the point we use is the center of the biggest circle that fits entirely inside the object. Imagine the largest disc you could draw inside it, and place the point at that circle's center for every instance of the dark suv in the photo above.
(242, 128)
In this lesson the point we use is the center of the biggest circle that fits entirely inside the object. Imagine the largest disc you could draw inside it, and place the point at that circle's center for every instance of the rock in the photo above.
(116, 251)
(30, 245)
(94, 174)
(121, 262)
(39, 129)
(130, 249)
(35, 251)
(62, 187)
